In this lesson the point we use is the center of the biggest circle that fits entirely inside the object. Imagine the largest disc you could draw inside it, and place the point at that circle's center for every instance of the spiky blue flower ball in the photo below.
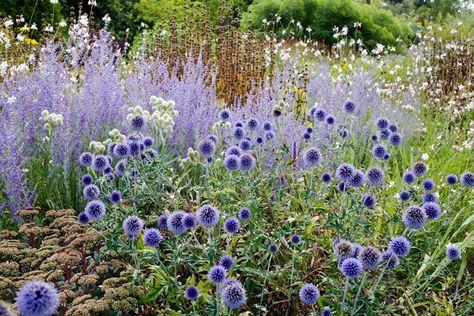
(344, 132)
(419, 169)
(138, 123)
(192, 293)
(311, 157)
(374, 138)
(330, 120)
(252, 124)
(120, 167)
(86, 179)
(267, 126)
(225, 283)
(226, 262)
(234, 295)
(345, 172)
(175, 222)
(369, 200)
(217, 274)
(244, 213)
(208, 216)
(85, 159)
(414, 217)
(234, 150)
(206, 147)
(381, 124)
(100, 163)
(349, 107)
(231, 225)
(247, 162)
(115, 197)
(386, 157)
(374, 176)
(320, 115)
(148, 141)
(37, 298)
(295, 239)
(467, 179)
(309, 130)
(91, 192)
(400, 246)
(357, 249)
(404, 196)
(152, 237)
(273, 248)
(395, 139)
(429, 197)
(384, 135)
(351, 268)
(214, 138)
(428, 184)
(4, 309)
(259, 140)
(269, 135)
(432, 210)
(239, 133)
(224, 115)
(342, 186)
(95, 210)
(409, 177)
(393, 128)
(135, 147)
(309, 294)
(343, 249)
(326, 311)
(189, 221)
(370, 258)
(232, 162)
(239, 124)
(326, 177)
(121, 151)
(163, 221)
(379, 151)
(82, 218)
(306, 136)
(245, 144)
(390, 260)
(132, 226)
(357, 180)
(453, 252)
(451, 179)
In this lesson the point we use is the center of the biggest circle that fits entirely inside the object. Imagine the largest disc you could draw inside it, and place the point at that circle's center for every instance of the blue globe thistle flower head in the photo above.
(419, 169)
(343, 249)
(390, 260)
(192, 293)
(393, 128)
(374, 176)
(232, 162)
(432, 210)
(95, 210)
(132, 226)
(226, 262)
(357, 249)
(245, 144)
(231, 225)
(351, 268)
(395, 139)
(135, 147)
(108, 171)
(247, 162)
(5, 310)
(404, 196)
(152, 237)
(267, 126)
(121, 151)
(37, 298)
(311, 157)
(225, 283)
(409, 177)
(349, 107)
(453, 252)
(209, 160)
(343, 187)
(82, 219)
(252, 124)
(386, 157)
(214, 138)
(309, 130)
(206, 148)
(189, 221)
(239, 133)
(269, 135)
(306, 136)
(320, 115)
(273, 248)
(330, 120)
(381, 124)
(414, 217)
(85, 159)
(259, 140)
(217, 274)
(357, 180)
(428, 185)
(379, 151)
(148, 141)
(239, 124)
(374, 138)
(309, 294)
(234, 295)
(467, 179)
(138, 123)
(369, 200)
(224, 115)
(163, 221)
(326, 311)
(451, 179)
(86, 179)
(370, 258)
(91, 192)
(345, 172)
(400, 246)
(326, 177)
(344, 132)
(208, 216)
(429, 197)
(244, 213)
(120, 167)
(384, 135)
(295, 239)
(234, 150)
(311, 111)
(100, 163)
(175, 223)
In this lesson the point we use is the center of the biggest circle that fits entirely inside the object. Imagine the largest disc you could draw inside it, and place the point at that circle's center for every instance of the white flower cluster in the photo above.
(97, 147)
(220, 124)
(115, 137)
(51, 120)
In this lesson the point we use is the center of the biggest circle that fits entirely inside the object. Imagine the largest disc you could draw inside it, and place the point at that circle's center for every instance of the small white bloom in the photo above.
(425, 157)
(54, 1)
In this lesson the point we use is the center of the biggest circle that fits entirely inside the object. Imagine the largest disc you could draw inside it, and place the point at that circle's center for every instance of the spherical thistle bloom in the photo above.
(382, 124)
(189, 221)
(245, 144)
(192, 293)
(273, 248)
(306, 136)
(120, 167)
(206, 147)
(467, 179)
(95, 210)
(86, 179)
(404, 196)
(121, 151)
(138, 123)
(311, 111)
(344, 133)
(115, 197)
(209, 159)
(309, 294)
(342, 186)
(267, 126)
(330, 120)
(85, 159)
(37, 298)
(231, 225)
(326, 311)
(152, 237)
(409, 177)
(259, 140)
(239, 124)
(395, 139)
(320, 115)
(91, 192)
(343, 249)
(429, 197)
(393, 128)
(386, 157)
(311, 157)
(226, 262)
(214, 138)
(295, 239)
(252, 124)
(451, 179)
(82, 219)
(374, 138)
(309, 130)
(224, 115)
(234, 295)
(4, 310)
(370, 258)
(345, 172)
(244, 213)
(163, 221)
(107, 170)
(384, 135)
(148, 141)
(349, 107)
(217, 274)
(239, 133)
(234, 150)
(419, 169)
(351, 268)
(225, 283)
(390, 260)
(374, 176)
(100, 163)
(379, 151)
(432, 210)
(428, 184)
(247, 162)
(369, 200)
(357, 249)
(175, 222)
(357, 180)
(132, 226)
(208, 216)
(232, 162)
(453, 252)
(400, 246)
(414, 217)
(269, 135)
(326, 177)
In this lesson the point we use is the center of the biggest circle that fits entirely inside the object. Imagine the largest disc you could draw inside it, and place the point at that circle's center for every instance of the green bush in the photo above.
(378, 25)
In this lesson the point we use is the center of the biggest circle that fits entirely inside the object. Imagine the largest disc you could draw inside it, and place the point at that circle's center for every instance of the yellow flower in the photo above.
(25, 29)
(31, 41)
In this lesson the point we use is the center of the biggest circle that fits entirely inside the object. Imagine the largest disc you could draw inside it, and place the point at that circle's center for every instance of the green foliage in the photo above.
(34, 11)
